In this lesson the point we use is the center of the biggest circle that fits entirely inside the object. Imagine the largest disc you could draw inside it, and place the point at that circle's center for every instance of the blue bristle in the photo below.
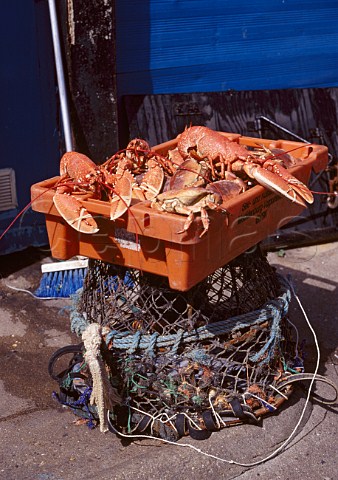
(44, 287)
(128, 281)
(61, 284)
(68, 282)
(112, 282)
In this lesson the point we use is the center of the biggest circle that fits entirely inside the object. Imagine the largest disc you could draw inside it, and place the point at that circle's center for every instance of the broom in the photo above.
(62, 279)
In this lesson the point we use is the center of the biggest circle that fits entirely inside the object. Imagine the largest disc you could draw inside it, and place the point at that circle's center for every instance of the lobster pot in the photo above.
(191, 362)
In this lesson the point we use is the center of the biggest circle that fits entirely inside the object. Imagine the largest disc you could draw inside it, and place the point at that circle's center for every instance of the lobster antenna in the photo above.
(60, 76)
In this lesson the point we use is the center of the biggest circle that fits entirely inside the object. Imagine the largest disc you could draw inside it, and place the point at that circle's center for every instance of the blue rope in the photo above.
(178, 340)
(81, 403)
(275, 331)
(152, 344)
(275, 335)
(78, 323)
(136, 340)
(273, 310)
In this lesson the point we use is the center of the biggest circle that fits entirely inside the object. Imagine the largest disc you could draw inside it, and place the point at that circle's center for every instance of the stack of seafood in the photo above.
(201, 173)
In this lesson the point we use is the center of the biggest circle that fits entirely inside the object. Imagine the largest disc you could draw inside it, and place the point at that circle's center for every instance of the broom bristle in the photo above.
(61, 283)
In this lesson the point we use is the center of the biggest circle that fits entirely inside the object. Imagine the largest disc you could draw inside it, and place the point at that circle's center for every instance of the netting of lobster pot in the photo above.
(192, 362)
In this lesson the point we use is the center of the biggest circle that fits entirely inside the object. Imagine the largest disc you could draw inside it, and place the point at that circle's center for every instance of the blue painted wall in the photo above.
(29, 126)
(177, 46)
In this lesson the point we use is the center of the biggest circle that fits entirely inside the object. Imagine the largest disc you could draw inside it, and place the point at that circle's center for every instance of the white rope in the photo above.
(279, 392)
(275, 452)
(164, 418)
(32, 294)
(263, 402)
(103, 394)
(219, 419)
(297, 335)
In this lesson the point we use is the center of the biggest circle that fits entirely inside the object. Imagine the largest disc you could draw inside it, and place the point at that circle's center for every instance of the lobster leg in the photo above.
(74, 213)
(276, 178)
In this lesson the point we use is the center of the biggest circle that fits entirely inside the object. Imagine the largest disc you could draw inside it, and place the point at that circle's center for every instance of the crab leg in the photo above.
(276, 178)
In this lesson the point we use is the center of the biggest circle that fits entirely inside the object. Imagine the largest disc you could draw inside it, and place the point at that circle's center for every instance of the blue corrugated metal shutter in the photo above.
(167, 46)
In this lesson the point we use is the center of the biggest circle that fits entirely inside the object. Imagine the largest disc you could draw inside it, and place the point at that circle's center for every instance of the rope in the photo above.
(78, 323)
(136, 340)
(178, 340)
(270, 345)
(152, 344)
(82, 401)
(103, 395)
(273, 310)
(31, 293)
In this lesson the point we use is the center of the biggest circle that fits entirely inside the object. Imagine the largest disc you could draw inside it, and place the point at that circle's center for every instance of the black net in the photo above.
(195, 361)
(131, 300)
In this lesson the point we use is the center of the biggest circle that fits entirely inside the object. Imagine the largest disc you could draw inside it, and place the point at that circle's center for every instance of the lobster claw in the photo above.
(277, 179)
(152, 180)
(121, 200)
(74, 213)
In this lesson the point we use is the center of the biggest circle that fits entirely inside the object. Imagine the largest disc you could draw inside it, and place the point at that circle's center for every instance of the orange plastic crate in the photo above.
(147, 239)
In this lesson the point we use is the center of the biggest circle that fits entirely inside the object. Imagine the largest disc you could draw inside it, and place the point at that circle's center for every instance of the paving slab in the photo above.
(41, 440)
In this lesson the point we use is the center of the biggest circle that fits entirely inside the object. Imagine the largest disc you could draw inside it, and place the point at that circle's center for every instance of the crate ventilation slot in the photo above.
(8, 198)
